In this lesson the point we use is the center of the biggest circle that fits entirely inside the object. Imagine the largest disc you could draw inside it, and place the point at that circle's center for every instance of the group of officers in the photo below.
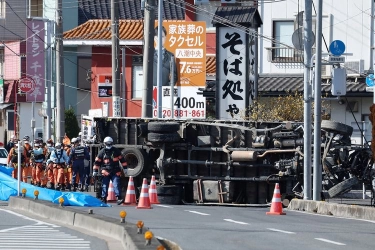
(62, 166)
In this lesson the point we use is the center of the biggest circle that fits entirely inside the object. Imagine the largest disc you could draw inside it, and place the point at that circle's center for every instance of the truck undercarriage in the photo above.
(232, 162)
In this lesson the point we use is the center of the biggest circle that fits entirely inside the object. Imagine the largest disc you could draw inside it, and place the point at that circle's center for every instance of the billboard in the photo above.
(183, 67)
(35, 60)
(231, 73)
(105, 86)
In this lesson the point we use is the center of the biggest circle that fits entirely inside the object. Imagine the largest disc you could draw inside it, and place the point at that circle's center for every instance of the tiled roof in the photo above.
(101, 30)
(244, 15)
(128, 9)
(275, 84)
(211, 65)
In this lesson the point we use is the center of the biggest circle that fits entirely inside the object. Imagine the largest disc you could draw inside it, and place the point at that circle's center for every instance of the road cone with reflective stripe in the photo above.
(276, 206)
(144, 199)
(152, 192)
(130, 198)
(111, 197)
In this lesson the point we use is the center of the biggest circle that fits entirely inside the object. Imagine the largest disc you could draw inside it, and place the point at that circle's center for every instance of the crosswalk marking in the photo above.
(39, 236)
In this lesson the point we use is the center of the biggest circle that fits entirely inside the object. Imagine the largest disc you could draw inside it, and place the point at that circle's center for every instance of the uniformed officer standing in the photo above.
(107, 161)
(77, 157)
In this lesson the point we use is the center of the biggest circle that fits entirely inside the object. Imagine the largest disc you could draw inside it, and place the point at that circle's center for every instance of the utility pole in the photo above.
(317, 178)
(148, 58)
(307, 190)
(116, 107)
(48, 81)
(60, 105)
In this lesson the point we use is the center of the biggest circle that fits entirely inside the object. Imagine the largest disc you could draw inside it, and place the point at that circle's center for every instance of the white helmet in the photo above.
(74, 140)
(108, 142)
(58, 145)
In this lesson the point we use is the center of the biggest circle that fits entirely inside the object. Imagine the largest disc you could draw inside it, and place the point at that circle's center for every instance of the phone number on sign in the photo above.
(181, 113)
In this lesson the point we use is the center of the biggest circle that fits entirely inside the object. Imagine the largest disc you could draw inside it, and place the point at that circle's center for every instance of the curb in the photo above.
(126, 233)
(340, 210)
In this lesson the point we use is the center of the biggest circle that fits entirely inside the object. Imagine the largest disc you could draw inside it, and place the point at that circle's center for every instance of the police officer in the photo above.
(77, 158)
(107, 161)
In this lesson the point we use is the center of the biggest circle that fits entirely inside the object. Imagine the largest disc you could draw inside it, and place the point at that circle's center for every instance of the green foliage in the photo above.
(71, 124)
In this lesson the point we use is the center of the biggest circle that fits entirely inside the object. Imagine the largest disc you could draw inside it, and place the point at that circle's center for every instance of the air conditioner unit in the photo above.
(354, 67)
(326, 71)
(201, 2)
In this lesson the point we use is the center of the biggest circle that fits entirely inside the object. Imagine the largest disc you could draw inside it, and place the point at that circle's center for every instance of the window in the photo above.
(84, 73)
(282, 35)
(137, 84)
(2, 8)
(36, 8)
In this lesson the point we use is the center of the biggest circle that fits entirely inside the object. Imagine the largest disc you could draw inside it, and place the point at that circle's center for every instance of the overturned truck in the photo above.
(232, 162)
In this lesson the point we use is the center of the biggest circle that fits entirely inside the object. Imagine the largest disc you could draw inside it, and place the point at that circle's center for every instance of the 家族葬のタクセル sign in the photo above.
(183, 67)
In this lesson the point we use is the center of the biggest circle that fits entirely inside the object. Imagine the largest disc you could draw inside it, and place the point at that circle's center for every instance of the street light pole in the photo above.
(60, 104)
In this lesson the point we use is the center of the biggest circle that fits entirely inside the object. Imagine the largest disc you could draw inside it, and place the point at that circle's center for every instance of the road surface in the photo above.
(22, 232)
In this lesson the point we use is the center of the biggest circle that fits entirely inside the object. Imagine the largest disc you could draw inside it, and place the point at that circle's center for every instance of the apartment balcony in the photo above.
(284, 55)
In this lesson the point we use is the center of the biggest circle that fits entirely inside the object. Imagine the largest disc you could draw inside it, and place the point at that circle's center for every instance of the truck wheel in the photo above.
(136, 159)
(169, 194)
(342, 187)
(156, 137)
(163, 127)
(341, 128)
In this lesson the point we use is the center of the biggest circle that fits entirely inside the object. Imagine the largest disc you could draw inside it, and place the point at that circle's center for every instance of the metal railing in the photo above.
(284, 55)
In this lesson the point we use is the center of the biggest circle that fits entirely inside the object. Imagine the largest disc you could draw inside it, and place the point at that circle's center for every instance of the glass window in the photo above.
(283, 31)
(84, 73)
(36, 8)
(137, 82)
(3, 153)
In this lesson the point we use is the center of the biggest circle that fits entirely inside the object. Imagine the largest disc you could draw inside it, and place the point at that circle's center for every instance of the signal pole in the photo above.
(148, 59)
(60, 104)
(116, 107)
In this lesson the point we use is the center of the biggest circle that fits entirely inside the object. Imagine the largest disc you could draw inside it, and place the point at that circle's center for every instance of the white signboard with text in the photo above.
(232, 73)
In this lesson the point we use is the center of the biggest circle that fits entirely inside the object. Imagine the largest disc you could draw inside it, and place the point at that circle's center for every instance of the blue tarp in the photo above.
(9, 187)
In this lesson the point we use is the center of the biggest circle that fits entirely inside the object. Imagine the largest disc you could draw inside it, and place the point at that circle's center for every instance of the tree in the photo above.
(71, 124)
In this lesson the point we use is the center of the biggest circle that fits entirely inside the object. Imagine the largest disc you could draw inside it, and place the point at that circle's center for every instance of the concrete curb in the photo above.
(340, 210)
(126, 233)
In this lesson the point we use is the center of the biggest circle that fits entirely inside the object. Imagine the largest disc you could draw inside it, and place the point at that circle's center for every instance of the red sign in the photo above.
(26, 85)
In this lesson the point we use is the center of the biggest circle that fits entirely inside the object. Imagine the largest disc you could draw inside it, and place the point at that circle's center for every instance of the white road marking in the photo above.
(195, 212)
(163, 206)
(27, 218)
(330, 241)
(280, 231)
(238, 222)
(34, 237)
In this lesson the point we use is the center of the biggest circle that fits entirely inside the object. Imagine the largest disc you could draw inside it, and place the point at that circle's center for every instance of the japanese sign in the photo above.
(184, 66)
(35, 61)
(87, 127)
(232, 73)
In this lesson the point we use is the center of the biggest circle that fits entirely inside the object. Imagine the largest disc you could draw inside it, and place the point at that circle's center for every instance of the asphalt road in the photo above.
(233, 228)
(22, 232)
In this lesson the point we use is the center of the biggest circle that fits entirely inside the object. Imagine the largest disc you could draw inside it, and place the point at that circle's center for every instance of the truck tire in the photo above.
(157, 137)
(343, 187)
(136, 160)
(169, 194)
(163, 127)
(341, 128)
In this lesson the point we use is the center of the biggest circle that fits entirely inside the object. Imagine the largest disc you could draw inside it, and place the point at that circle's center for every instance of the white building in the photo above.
(345, 20)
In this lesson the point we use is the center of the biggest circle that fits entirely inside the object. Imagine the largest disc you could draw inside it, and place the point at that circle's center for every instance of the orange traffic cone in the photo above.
(111, 193)
(152, 192)
(130, 198)
(276, 206)
(144, 200)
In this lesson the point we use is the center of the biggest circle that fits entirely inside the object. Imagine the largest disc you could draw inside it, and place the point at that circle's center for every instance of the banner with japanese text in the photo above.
(183, 67)
(35, 59)
(231, 61)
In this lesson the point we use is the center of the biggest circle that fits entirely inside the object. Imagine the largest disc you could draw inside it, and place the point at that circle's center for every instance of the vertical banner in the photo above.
(231, 73)
(1, 90)
(35, 60)
(184, 67)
